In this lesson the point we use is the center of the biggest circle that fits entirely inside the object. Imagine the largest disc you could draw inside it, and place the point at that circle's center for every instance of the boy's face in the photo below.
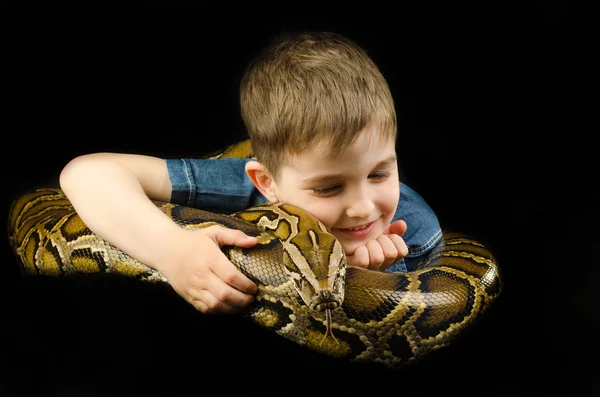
(354, 194)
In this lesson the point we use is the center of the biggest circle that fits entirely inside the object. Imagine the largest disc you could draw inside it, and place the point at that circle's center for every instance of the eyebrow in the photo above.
(321, 178)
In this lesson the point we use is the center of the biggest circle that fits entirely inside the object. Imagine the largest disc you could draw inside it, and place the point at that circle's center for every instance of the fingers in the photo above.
(398, 227)
(223, 268)
(206, 278)
(360, 258)
(399, 244)
(224, 236)
(381, 253)
(230, 275)
(219, 298)
(375, 255)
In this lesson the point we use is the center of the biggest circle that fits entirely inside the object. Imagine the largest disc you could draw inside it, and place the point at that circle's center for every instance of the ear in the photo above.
(261, 178)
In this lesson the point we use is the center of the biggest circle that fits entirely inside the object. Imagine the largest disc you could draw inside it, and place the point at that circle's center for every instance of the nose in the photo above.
(360, 205)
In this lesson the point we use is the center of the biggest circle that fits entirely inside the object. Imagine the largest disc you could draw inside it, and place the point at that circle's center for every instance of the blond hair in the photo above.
(312, 88)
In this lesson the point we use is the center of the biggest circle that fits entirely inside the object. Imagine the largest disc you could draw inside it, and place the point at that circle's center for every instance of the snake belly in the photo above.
(388, 318)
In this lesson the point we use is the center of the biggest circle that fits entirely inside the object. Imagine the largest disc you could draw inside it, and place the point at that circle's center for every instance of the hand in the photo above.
(201, 273)
(381, 253)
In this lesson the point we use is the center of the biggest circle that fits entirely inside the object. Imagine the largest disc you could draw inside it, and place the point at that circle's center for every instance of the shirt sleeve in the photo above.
(216, 185)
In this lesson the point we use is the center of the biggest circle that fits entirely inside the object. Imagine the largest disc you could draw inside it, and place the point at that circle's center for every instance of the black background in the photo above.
(497, 116)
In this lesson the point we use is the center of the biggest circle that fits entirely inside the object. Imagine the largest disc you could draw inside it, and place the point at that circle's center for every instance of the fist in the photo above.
(381, 253)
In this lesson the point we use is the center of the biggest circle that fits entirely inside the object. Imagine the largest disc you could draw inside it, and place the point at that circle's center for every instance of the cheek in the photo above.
(325, 212)
(389, 196)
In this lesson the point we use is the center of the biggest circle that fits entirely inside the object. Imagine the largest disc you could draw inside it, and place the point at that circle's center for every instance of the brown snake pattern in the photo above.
(306, 292)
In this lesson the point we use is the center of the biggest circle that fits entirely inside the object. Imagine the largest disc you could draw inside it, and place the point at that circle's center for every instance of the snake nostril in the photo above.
(329, 304)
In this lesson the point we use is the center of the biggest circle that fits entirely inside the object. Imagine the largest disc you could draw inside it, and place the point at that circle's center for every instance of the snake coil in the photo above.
(306, 292)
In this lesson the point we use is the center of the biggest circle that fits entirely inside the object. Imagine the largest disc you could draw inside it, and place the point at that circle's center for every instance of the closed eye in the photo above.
(380, 175)
(326, 191)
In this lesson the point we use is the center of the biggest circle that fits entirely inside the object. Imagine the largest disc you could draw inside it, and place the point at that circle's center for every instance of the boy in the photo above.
(322, 124)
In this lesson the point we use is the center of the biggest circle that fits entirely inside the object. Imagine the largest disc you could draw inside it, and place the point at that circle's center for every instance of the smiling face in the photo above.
(354, 194)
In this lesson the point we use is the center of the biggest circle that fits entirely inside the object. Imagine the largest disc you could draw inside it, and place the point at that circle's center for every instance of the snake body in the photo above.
(306, 292)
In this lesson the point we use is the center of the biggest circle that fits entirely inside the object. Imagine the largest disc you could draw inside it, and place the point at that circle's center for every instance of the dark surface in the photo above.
(496, 117)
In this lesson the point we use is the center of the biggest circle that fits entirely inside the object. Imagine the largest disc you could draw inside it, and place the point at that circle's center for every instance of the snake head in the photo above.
(315, 261)
(313, 258)
(318, 291)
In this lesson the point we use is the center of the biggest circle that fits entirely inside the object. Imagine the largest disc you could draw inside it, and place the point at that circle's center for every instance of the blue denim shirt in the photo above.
(222, 186)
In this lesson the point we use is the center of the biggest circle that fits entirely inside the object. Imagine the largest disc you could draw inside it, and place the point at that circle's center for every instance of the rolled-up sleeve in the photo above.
(218, 185)
(423, 231)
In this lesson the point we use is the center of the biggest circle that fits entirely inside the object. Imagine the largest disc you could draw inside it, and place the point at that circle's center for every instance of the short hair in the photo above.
(312, 88)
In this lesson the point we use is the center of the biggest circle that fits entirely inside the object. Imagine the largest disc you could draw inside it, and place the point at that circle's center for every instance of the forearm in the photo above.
(112, 202)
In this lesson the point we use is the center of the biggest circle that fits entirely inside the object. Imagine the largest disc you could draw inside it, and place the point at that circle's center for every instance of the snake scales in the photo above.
(306, 293)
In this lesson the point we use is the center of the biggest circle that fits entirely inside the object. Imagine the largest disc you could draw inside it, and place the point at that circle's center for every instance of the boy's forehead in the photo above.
(322, 158)
(369, 139)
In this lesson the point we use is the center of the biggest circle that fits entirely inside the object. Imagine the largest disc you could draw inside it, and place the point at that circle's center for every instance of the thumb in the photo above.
(398, 227)
(225, 236)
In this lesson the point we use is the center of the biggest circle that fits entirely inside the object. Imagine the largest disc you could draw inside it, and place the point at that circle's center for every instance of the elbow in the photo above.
(72, 173)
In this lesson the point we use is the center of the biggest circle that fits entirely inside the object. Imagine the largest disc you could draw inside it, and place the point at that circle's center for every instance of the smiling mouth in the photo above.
(359, 231)
(358, 228)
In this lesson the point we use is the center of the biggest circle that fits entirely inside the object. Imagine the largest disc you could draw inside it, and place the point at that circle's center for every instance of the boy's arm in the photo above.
(111, 193)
